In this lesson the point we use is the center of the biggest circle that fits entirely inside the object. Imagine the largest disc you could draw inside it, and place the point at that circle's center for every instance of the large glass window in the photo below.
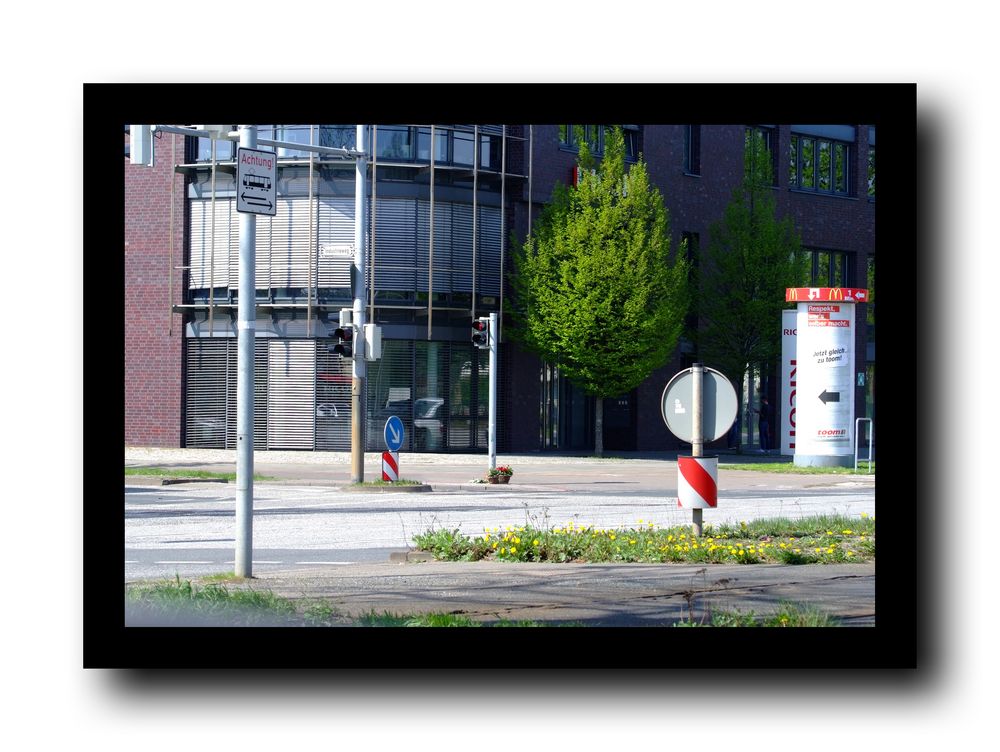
(440, 145)
(394, 142)
(820, 165)
(463, 145)
(829, 269)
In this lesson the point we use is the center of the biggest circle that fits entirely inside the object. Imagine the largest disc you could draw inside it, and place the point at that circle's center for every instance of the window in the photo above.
(829, 269)
(871, 173)
(394, 142)
(692, 149)
(440, 145)
(569, 136)
(769, 136)
(225, 150)
(463, 145)
(338, 136)
(631, 133)
(820, 165)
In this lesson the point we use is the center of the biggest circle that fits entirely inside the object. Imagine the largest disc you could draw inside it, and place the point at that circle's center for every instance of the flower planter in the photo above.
(503, 479)
(494, 479)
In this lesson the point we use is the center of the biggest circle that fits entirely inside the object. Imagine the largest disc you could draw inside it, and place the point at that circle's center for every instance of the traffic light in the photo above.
(344, 334)
(481, 332)
(345, 341)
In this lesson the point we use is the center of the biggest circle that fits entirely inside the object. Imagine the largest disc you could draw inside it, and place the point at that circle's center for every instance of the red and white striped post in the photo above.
(390, 466)
(697, 483)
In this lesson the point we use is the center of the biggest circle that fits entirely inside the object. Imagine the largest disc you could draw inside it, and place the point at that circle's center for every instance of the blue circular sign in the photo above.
(393, 433)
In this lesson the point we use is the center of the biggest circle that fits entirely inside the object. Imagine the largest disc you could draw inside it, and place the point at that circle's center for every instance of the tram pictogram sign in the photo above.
(256, 190)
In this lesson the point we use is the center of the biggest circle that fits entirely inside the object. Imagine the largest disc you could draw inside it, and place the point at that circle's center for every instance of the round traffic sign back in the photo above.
(718, 409)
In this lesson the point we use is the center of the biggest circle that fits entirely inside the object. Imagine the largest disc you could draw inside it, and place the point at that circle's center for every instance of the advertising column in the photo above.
(789, 383)
(824, 388)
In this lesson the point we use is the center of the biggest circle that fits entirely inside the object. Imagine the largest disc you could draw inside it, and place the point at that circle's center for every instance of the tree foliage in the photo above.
(596, 290)
(752, 257)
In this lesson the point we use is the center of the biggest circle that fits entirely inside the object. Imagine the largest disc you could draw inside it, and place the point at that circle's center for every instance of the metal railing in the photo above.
(871, 438)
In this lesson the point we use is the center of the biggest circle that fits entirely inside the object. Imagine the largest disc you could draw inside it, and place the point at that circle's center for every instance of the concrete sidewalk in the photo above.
(607, 595)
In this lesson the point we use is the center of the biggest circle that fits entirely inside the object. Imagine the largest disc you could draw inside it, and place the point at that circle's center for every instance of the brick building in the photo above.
(181, 262)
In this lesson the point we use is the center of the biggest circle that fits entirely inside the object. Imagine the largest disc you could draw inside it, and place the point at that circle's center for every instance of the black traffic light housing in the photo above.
(345, 341)
(481, 332)
(344, 334)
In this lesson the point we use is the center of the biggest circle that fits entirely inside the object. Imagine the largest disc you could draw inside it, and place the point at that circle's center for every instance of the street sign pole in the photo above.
(358, 284)
(697, 432)
(245, 327)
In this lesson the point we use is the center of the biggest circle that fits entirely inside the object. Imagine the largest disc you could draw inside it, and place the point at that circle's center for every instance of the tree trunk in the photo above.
(599, 426)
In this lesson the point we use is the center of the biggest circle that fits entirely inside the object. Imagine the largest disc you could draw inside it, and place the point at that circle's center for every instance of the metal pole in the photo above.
(493, 391)
(430, 252)
(245, 328)
(358, 362)
(697, 432)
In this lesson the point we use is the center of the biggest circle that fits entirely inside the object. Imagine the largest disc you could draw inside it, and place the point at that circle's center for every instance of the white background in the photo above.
(950, 51)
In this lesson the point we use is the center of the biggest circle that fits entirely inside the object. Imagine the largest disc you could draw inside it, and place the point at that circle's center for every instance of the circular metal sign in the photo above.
(718, 409)
(393, 433)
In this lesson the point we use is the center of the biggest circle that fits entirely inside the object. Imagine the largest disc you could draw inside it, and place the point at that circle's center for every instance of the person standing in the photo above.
(764, 425)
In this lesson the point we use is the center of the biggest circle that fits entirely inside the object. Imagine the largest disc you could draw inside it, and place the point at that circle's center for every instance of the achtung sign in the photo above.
(256, 186)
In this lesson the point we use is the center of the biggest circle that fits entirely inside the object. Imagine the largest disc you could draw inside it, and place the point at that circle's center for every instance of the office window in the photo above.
(820, 165)
(569, 136)
(338, 136)
(424, 145)
(463, 145)
(871, 173)
(829, 269)
(692, 149)
(631, 133)
(768, 135)
(394, 142)
(225, 150)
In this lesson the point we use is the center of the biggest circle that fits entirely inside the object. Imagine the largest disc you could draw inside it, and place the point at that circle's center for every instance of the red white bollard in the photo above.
(390, 466)
(697, 482)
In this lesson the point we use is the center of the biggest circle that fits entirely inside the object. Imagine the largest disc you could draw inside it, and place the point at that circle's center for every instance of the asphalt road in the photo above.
(188, 529)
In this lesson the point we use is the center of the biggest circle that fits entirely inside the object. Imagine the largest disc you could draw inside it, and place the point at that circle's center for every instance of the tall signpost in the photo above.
(824, 398)
(698, 404)
(256, 192)
(358, 286)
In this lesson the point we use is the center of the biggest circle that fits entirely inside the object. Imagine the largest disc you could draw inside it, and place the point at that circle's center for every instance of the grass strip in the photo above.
(826, 539)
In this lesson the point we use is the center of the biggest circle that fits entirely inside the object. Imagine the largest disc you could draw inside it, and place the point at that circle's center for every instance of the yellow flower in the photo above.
(535, 543)
(850, 553)
(846, 532)
(612, 536)
(513, 549)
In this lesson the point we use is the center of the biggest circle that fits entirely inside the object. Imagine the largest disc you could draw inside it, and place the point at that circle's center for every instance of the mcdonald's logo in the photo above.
(837, 293)
(792, 294)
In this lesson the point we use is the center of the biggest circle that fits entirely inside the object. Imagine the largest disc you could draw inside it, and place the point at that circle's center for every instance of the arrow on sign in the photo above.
(394, 432)
(829, 396)
(255, 200)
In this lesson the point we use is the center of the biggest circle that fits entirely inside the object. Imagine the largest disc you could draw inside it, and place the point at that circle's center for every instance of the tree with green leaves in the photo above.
(595, 288)
(752, 257)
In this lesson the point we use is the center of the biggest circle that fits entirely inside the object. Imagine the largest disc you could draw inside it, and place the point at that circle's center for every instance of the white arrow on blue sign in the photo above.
(393, 433)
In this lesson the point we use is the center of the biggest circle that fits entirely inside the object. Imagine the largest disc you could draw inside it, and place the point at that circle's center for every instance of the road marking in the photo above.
(324, 562)
(184, 562)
